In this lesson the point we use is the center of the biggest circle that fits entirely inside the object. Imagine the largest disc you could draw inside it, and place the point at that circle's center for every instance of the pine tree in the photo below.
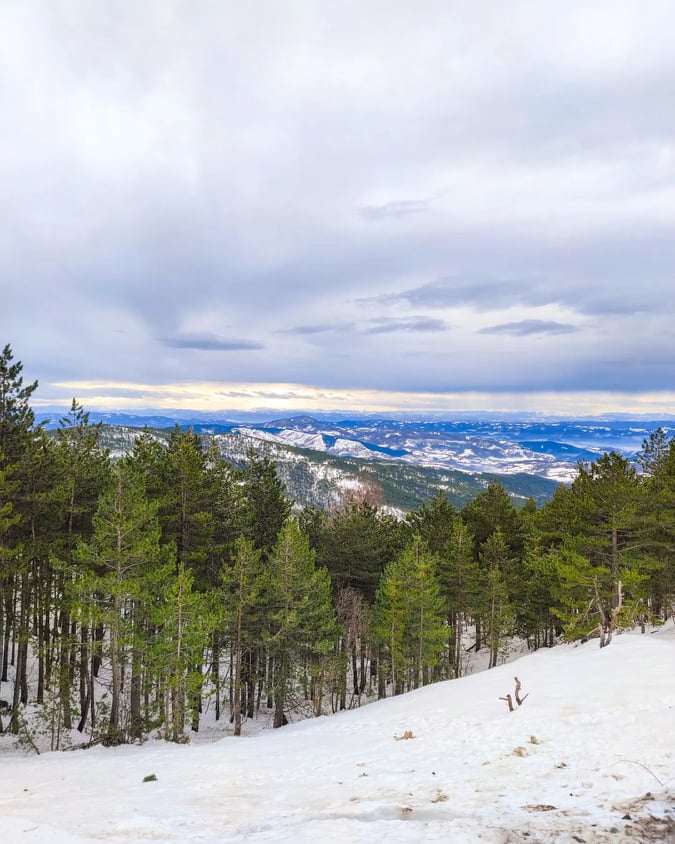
(409, 617)
(185, 619)
(656, 519)
(40, 599)
(226, 503)
(587, 595)
(84, 470)
(355, 545)
(492, 510)
(602, 539)
(607, 493)
(267, 506)
(8, 520)
(433, 522)
(243, 598)
(186, 517)
(301, 622)
(654, 452)
(462, 583)
(535, 618)
(17, 433)
(119, 575)
(187, 504)
(17, 419)
(499, 612)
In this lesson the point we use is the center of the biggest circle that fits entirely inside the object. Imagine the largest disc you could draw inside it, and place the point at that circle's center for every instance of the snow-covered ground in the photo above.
(588, 757)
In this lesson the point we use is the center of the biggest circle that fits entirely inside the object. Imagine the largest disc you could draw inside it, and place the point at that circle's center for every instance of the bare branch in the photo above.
(519, 699)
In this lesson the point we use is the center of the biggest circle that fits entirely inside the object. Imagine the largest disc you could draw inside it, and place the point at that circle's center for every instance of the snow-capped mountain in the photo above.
(547, 449)
(322, 460)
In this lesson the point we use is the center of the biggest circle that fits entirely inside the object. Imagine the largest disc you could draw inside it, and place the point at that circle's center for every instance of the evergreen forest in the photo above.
(138, 593)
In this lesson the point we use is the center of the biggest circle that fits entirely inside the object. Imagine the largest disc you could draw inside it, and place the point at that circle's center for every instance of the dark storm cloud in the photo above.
(527, 327)
(208, 343)
(390, 325)
(317, 329)
(377, 325)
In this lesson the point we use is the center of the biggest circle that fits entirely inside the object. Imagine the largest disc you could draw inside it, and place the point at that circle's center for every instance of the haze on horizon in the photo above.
(395, 207)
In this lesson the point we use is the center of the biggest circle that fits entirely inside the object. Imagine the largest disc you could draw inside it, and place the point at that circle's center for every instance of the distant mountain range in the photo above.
(322, 460)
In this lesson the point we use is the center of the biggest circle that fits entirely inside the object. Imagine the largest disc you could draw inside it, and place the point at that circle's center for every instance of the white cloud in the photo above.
(244, 170)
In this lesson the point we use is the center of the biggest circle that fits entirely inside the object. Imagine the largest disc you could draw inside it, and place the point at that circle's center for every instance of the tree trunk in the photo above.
(236, 670)
(84, 671)
(64, 674)
(116, 661)
(2, 625)
(41, 601)
(216, 671)
(135, 693)
(280, 693)
(355, 670)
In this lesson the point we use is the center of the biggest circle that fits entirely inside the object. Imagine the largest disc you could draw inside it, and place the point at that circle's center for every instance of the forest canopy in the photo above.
(135, 592)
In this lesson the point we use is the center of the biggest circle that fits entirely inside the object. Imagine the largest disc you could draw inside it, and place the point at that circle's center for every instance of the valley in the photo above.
(400, 463)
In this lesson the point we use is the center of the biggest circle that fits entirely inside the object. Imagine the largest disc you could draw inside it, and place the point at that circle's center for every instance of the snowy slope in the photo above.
(596, 764)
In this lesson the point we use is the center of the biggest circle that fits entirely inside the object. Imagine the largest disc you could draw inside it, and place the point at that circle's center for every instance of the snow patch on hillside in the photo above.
(589, 756)
(299, 439)
(350, 448)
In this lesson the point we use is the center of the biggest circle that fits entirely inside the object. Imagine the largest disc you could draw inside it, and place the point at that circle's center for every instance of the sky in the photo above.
(428, 206)
(588, 757)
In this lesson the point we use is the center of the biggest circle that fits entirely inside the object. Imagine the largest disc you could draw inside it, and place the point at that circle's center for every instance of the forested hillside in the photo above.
(318, 479)
(134, 590)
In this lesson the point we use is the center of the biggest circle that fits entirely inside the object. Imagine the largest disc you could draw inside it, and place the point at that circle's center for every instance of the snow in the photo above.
(593, 743)
(564, 473)
(350, 448)
(300, 439)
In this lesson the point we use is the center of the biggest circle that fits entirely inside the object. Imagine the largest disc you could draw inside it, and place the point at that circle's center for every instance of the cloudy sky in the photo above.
(332, 204)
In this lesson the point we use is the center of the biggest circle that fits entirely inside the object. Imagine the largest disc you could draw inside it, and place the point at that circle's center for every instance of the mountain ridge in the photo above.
(320, 461)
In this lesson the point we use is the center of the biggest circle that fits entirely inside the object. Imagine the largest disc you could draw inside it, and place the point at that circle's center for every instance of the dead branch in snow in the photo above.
(519, 699)
(509, 698)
